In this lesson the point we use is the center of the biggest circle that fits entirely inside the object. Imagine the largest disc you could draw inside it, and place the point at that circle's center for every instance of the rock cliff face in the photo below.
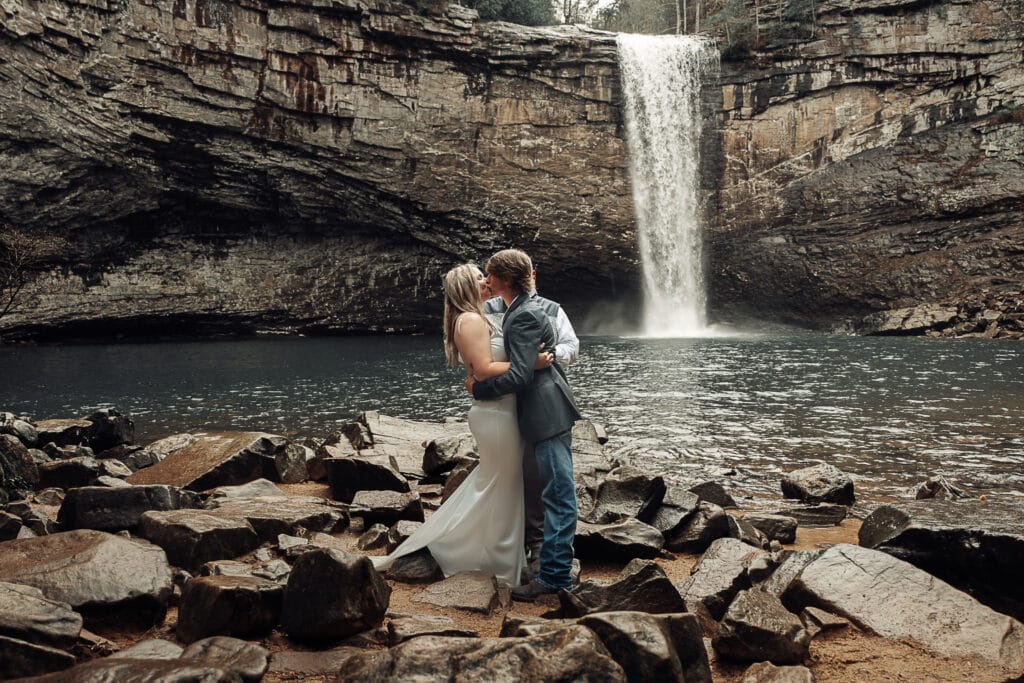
(240, 165)
(225, 165)
(878, 165)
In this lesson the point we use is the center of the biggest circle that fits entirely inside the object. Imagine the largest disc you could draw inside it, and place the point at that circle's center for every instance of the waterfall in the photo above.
(661, 83)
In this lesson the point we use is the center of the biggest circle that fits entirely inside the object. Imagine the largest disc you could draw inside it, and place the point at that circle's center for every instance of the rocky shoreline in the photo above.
(241, 556)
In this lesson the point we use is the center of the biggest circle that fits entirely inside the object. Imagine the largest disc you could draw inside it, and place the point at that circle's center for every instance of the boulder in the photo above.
(242, 606)
(664, 647)
(377, 536)
(147, 456)
(822, 483)
(62, 431)
(473, 591)
(699, 530)
(775, 527)
(404, 440)
(113, 467)
(719, 575)
(569, 654)
(154, 648)
(27, 615)
(757, 627)
(20, 658)
(626, 492)
(257, 488)
(588, 455)
(70, 473)
(321, 662)
(821, 515)
(817, 620)
(403, 627)
(192, 538)
(445, 452)
(363, 473)
(791, 563)
(910, 320)
(272, 515)
(332, 595)
(621, 541)
(248, 660)
(38, 520)
(113, 509)
(20, 427)
(108, 428)
(10, 526)
(641, 587)
(897, 600)
(938, 487)
(386, 507)
(714, 493)
(400, 531)
(417, 567)
(676, 508)
(18, 471)
(741, 529)
(457, 476)
(104, 577)
(141, 671)
(226, 568)
(274, 570)
(973, 545)
(766, 672)
(217, 459)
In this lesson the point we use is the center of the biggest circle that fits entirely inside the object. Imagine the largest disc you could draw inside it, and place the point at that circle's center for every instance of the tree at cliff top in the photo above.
(22, 255)
(526, 12)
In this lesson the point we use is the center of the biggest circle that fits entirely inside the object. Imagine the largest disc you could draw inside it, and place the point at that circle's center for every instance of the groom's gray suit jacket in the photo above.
(544, 401)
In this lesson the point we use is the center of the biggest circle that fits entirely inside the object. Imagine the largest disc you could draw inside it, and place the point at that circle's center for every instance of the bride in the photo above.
(481, 526)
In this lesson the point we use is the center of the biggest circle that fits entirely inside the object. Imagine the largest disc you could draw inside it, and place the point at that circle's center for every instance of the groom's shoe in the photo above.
(531, 592)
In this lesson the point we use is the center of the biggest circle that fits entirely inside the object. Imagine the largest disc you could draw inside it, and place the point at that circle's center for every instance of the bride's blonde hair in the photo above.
(461, 295)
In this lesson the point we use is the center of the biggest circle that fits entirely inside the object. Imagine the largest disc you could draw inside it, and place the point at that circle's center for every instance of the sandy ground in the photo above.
(847, 655)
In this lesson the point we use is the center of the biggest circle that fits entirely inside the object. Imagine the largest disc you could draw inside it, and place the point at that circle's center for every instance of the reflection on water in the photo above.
(890, 411)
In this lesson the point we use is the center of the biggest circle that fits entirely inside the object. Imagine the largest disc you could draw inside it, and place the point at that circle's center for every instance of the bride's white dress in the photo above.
(481, 526)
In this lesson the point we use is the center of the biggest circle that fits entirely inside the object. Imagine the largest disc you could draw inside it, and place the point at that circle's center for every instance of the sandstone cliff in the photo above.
(877, 165)
(243, 164)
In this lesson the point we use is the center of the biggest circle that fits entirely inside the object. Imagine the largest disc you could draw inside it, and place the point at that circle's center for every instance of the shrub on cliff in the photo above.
(22, 255)
(526, 12)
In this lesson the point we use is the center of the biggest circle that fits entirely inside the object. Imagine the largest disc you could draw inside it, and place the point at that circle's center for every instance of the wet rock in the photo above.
(626, 492)
(417, 567)
(714, 493)
(154, 648)
(774, 527)
(113, 509)
(258, 488)
(757, 627)
(741, 529)
(588, 455)
(938, 487)
(708, 523)
(211, 460)
(141, 671)
(20, 658)
(822, 483)
(400, 531)
(402, 628)
(975, 546)
(272, 515)
(642, 587)
(375, 537)
(26, 614)
(897, 600)
(665, 647)
(18, 471)
(910, 320)
(104, 577)
(248, 660)
(474, 591)
(822, 515)
(676, 508)
(621, 541)
(457, 476)
(568, 654)
(332, 595)
(228, 606)
(444, 453)
(789, 568)
(70, 473)
(766, 672)
(363, 473)
(20, 427)
(192, 538)
(405, 439)
(386, 507)
(719, 575)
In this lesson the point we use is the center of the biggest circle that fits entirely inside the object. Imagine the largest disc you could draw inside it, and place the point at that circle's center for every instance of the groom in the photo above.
(546, 410)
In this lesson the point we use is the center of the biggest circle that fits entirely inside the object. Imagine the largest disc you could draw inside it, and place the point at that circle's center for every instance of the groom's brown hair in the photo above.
(514, 266)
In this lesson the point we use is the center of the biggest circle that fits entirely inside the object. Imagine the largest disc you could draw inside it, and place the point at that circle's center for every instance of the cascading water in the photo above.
(661, 82)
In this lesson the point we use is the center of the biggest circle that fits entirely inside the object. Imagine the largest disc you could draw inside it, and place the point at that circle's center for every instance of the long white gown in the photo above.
(481, 526)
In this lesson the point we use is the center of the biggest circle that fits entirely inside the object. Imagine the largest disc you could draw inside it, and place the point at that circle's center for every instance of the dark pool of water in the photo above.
(888, 410)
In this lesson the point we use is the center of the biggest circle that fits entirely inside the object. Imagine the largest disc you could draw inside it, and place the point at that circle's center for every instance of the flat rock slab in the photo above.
(402, 628)
(154, 648)
(976, 546)
(821, 515)
(214, 459)
(27, 615)
(642, 586)
(248, 660)
(757, 628)
(406, 440)
(192, 538)
(228, 605)
(569, 654)
(387, 507)
(367, 471)
(471, 591)
(99, 574)
(271, 516)
(114, 509)
(322, 662)
(140, 671)
(897, 600)
(719, 575)
(21, 658)
(766, 672)
(622, 541)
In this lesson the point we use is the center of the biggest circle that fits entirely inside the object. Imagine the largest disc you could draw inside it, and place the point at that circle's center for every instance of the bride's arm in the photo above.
(473, 340)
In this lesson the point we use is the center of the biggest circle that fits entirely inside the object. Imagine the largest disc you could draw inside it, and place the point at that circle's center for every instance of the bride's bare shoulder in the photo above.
(470, 322)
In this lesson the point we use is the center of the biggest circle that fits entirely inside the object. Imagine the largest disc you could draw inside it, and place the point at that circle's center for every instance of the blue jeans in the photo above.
(554, 461)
